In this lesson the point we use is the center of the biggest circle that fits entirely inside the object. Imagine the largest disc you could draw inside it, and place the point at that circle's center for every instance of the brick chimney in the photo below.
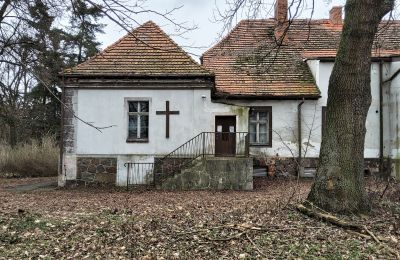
(335, 15)
(281, 13)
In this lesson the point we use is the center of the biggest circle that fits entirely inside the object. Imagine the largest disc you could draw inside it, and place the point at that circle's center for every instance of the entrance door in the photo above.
(225, 136)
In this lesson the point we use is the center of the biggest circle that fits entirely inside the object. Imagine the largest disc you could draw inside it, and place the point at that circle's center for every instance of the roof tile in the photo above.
(146, 51)
(248, 62)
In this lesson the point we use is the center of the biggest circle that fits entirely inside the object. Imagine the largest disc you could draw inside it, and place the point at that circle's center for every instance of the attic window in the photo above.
(138, 121)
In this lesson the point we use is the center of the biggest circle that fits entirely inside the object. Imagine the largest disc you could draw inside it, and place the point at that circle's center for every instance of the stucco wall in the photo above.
(372, 124)
(392, 91)
(107, 107)
(285, 122)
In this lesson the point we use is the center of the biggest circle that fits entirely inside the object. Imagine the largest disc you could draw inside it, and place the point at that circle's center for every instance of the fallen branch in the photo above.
(384, 191)
(206, 229)
(255, 246)
(227, 238)
(352, 227)
(311, 212)
(358, 234)
(371, 234)
(243, 227)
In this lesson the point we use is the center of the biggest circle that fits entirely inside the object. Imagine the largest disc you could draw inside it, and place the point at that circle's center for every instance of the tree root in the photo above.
(325, 216)
(315, 212)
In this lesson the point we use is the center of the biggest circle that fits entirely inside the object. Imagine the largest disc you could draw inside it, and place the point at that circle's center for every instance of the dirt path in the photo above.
(30, 184)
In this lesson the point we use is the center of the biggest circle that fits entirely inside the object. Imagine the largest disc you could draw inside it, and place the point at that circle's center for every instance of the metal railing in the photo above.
(139, 174)
(204, 144)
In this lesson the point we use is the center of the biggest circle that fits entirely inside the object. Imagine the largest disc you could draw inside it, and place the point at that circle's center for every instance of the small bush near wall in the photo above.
(33, 159)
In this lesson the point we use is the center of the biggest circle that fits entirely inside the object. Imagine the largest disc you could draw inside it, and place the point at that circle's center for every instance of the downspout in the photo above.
(60, 167)
(381, 161)
(299, 134)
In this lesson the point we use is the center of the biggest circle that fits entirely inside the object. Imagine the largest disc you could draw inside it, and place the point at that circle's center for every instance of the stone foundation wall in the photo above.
(103, 169)
(280, 166)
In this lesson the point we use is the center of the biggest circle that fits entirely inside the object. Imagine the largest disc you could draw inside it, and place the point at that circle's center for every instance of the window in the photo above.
(260, 126)
(138, 121)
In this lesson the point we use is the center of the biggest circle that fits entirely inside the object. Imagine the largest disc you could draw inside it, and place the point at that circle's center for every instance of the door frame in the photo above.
(230, 149)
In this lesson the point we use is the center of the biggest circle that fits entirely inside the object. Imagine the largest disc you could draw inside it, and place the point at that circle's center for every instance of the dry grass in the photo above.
(33, 159)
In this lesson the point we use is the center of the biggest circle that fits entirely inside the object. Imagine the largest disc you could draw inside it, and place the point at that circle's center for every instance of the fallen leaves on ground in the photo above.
(107, 223)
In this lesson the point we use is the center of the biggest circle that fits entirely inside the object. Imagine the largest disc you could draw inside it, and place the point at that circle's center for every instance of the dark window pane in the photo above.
(263, 135)
(253, 115)
(263, 116)
(263, 128)
(253, 138)
(263, 138)
(144, 127)
(132, 128)
(253, 128)
(133, 106)
(144, 106)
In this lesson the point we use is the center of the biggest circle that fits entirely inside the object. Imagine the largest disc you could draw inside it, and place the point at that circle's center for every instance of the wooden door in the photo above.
(225, 135)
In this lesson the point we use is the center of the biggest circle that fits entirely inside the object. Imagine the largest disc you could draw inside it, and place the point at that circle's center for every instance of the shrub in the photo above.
(32, 159)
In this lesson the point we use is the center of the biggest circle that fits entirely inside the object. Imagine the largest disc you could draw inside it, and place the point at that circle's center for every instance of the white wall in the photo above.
(392, 92)
(284, 119)
(285, 125)
(372, 135)
(106, 107)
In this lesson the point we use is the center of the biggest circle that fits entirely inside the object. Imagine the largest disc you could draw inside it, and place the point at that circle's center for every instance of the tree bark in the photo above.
(339, 182)
(13, 134)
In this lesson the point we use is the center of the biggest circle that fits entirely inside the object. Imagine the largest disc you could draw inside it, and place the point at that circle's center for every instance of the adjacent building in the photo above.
(259, 94)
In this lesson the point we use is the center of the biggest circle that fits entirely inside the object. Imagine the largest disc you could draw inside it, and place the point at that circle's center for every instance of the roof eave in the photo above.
(332, 58)
(136, 76)
(266, 96)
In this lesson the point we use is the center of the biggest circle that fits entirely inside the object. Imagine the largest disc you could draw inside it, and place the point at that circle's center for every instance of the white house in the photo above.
(149, 98)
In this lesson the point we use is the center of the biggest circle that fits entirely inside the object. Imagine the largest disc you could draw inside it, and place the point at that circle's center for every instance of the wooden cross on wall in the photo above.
(167, 113)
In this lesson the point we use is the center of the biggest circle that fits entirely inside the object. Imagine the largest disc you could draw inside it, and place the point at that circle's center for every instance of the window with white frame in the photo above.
(260, 126)
(138, 120)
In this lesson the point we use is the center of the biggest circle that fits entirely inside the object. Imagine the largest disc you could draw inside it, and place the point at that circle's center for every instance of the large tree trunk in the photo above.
(339, 185)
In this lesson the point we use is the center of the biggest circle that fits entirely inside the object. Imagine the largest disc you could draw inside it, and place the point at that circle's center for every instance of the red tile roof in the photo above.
(146, 51)
(247, 62)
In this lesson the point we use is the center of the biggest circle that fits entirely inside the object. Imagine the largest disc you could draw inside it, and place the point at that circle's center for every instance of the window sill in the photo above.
(137, 140)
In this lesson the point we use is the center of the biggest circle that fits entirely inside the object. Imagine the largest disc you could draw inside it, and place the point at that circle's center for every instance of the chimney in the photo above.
(335, 15)
(281, 11)
(281, 19)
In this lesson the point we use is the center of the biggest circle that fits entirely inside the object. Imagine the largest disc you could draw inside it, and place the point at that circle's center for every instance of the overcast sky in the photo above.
(200, 13)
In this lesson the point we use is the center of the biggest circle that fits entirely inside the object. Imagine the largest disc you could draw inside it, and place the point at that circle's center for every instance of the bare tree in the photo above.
(339, 185)
(12, 78)
(32, 26)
